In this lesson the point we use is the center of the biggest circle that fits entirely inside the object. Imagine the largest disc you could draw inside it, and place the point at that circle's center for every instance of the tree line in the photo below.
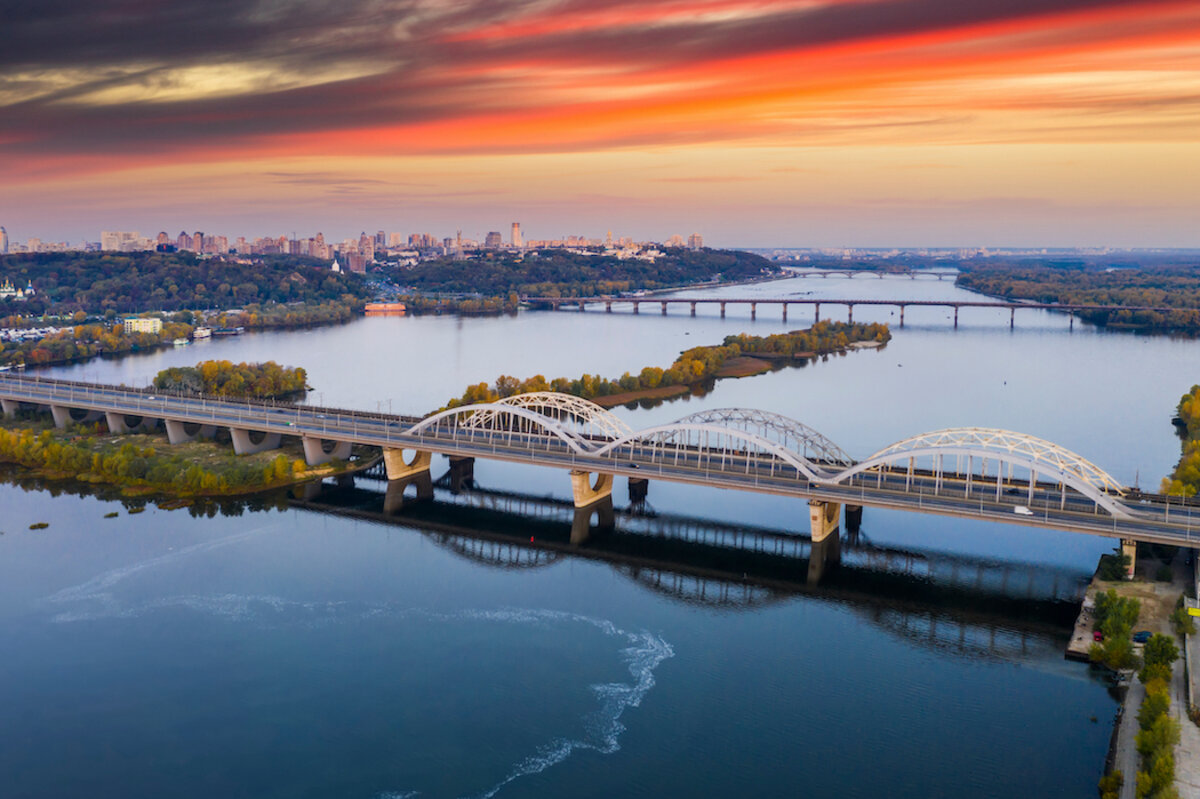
(227, 379)
(692, 367)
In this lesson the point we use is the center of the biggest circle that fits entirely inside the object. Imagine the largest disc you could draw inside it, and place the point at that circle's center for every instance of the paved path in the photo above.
(1126, 760)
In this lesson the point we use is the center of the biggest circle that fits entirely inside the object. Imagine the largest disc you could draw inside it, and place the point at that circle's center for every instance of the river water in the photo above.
(288, 652)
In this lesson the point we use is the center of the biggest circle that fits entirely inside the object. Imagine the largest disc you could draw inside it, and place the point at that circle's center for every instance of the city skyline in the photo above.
(772, 124)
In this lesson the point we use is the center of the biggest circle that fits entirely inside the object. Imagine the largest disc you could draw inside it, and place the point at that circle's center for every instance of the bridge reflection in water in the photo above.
(956, 604)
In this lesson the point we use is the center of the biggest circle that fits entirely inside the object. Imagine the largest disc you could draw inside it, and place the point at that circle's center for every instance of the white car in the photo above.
(1021, 510)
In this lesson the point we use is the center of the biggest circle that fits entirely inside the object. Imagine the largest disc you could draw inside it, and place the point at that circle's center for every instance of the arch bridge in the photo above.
(978, 473)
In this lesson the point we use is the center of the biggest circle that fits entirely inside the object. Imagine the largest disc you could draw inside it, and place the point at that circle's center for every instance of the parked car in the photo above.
(1097, 635)
(1141, 636)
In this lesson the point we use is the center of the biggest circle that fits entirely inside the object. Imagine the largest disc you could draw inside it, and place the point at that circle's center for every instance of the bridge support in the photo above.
(320, 450)
(1129, 549)
(850, 313)
(816, 312)
(608, 307)
(754, 310)
(785, 312)
(901, 316)
(10, 407)
(181, 432)
(636, 305)
(581, 525)
(664, 308)
(853, 518)
(588, 493)
(693, 309)
(244, 442)
(639, 488)
(462, 474)
(823, 518)
(1012, 318)
(956, 317)
(394, 501)
(399, 469)
(722, 310)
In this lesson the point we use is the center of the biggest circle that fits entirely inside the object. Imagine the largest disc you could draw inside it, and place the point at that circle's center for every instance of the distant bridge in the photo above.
(976, 473)
(581, 303)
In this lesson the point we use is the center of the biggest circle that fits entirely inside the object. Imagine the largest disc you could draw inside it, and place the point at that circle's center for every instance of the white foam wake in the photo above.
(642, 654)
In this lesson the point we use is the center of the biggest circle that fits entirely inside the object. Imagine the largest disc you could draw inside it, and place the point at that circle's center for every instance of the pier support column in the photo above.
(639, 487)
(1012, 318)
(722, 310)
(823, 518)
(956, 317)
(10, 407)
(853, 518)
(1071, 316)
(394, 501)
(398, 468)
(901, 316)
(754, 310)
(1129, 549)
(664, 308)
(693, 309)
(850, 314)
(608, 307)
(785, 312)
(816, 312)
(61, 414)
(320, 450)
(462, 474)
(586, 492)
(180, 432)
(636, 305)
(248, 442)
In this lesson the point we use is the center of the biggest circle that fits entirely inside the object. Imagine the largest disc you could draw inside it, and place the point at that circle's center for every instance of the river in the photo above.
(286, 652)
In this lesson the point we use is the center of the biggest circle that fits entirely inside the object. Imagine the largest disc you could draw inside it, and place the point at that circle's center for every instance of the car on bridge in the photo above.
(1021, 510)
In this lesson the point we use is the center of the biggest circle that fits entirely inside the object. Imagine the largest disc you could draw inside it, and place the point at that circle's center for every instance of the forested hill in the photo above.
(131, 282)
(568, 274)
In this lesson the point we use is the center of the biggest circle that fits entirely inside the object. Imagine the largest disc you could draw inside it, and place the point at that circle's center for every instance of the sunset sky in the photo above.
(754, 122)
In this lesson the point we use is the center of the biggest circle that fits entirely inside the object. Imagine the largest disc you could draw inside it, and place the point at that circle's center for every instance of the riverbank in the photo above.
(146, 463)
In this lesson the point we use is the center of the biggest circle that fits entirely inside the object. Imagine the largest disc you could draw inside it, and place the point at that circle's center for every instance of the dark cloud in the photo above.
(371, 62)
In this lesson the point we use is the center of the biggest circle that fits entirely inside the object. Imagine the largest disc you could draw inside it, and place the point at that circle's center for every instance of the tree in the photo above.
(1160, 650)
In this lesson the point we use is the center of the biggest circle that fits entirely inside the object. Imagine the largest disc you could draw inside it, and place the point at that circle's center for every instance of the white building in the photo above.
(134, 324)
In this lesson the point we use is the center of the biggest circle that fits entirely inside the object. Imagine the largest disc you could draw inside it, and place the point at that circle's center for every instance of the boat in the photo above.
(181, 342)
(202, 332)
(229, 331)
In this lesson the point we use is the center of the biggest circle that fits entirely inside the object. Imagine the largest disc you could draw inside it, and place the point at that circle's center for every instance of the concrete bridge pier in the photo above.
(956, 317)
(180, 432)
(901, 316)
(10, 407)
(850, 313)
(1012, 318)
(1129, 549)
(823, 555)
(823, 518)
(816, 312)
(636, 305)
(320, 450)
(399, 469)
(639, 488)
(65, 415)
(693, 309)
(722, 310)
(608, 307)
(248, 442)
(854, 515)
(785, 312)
(394, 501)
(462, 474)
(591, 498)
(664, 308)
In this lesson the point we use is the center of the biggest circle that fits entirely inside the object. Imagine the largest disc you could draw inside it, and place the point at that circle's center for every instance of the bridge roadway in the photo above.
(1144, 517)
(665, 301)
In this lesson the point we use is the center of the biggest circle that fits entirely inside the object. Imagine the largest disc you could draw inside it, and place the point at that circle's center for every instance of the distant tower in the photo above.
(695, 242)
(608, 240)
(198, 241)
(3, 241)
(517, 241)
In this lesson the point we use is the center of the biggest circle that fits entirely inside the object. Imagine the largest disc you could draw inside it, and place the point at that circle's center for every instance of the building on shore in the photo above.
(135, 324)
(385, 309)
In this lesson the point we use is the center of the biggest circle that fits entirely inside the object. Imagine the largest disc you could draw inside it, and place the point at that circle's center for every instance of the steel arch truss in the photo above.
(709, 448)
(1038, 456)
(588, 419)
(791, 434)
(494, 423)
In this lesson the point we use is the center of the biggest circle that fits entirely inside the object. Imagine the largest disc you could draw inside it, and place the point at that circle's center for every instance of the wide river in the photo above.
(289, 652)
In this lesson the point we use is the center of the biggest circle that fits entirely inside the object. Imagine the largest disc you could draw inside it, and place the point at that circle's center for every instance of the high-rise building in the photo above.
(695, 242)
(492, 241)
(197, 241)
(380, 241)
(517, 241)
(184, 242)
(117, 241)
(3, 241)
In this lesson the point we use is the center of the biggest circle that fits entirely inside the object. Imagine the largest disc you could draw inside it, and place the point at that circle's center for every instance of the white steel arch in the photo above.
(687, 442)
(790, 433)
(589, 418)
(1039, 456)
(497, 422)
